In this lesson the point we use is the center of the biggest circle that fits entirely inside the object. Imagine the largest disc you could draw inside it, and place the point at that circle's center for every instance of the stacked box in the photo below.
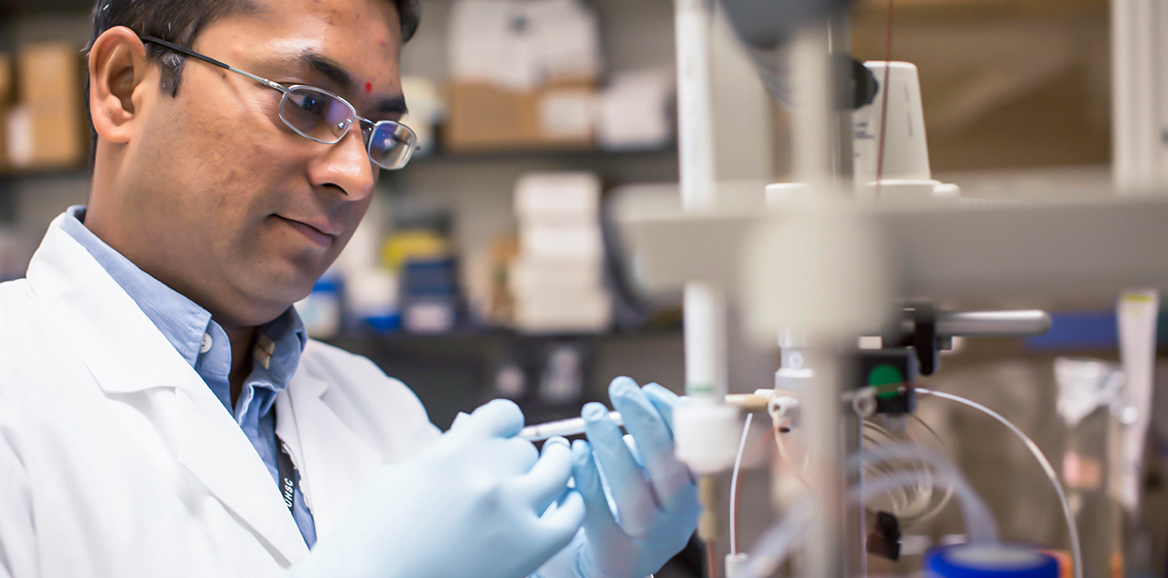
(522, 75)
(47, 127)
(557, 279)
(5, 104)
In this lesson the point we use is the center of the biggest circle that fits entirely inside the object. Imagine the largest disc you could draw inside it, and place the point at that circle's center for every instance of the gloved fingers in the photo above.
(630, 490)
(516, 455)
(548, 479)
(631, 443)
(561, 523)
(459, 419)
(598, 518)
(646, 425)
(652, 439)
(664, 400)
(496, 418)
(667, 476)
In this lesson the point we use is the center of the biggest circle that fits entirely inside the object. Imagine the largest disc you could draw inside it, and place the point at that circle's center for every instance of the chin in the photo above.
(265, 302)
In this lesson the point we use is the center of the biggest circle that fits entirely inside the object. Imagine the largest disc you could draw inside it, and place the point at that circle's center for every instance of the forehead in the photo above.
(361, 36)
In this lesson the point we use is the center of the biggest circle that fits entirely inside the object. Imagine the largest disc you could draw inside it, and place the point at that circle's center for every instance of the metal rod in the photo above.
(1024, 323)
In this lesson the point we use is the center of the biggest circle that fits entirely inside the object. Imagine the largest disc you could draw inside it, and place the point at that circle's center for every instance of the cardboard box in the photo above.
(6, 82)
(483, 117)
(53, 124)
(5, 79)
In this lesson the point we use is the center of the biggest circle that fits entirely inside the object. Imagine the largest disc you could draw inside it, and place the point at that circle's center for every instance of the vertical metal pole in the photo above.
(1139, 136)
(855, 525)
(817, 159)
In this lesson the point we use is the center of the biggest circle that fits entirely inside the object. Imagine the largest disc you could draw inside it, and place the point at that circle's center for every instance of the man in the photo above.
(163, 414)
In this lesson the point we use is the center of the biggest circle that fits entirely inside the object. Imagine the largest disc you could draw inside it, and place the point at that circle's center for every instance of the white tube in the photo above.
(1072, 529)
(1136, 314)
(734, 486)
(695, 118)
(704, 307)
(705, 342)
(1135, 138)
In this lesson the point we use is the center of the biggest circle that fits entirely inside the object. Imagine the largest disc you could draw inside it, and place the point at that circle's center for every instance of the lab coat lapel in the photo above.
(223, 459)
(334, 462)
(126, 354)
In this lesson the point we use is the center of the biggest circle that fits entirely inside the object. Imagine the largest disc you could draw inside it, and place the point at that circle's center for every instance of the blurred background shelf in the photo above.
(456, 371)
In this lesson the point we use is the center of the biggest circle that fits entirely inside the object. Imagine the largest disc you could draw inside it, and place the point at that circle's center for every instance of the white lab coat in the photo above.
(116, 459)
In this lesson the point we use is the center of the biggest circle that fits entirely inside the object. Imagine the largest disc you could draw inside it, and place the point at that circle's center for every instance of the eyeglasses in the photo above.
(326, 118)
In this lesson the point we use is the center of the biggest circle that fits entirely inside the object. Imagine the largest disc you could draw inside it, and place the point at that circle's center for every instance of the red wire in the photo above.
(884, 104)
(711, 563)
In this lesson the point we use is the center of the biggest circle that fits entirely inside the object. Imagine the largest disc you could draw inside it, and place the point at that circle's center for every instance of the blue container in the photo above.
(989, 561)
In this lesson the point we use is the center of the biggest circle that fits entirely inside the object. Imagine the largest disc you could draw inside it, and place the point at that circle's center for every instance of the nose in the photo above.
(345, 165)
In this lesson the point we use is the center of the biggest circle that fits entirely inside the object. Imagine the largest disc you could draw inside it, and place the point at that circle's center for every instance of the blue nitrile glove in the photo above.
(654, 495)
(472, 505)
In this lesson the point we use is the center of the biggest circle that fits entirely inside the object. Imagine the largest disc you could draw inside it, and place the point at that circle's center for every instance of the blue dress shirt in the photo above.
(204, 344)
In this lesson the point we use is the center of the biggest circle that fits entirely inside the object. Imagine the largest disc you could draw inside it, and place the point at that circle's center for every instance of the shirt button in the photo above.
(206, 346)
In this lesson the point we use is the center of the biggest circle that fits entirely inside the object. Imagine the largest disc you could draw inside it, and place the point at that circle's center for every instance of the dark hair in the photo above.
(181, 21)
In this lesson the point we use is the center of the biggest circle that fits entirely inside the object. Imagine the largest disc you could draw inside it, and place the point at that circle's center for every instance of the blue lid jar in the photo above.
(989, 561)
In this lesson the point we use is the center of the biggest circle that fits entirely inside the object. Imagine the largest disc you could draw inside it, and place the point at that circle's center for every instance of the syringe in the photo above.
(575, 426)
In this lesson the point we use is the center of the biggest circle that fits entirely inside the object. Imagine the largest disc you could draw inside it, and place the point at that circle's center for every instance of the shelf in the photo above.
(495, 334)
(47, 171)
(455, 371)
(435, 160)
(552, 154)
(17, 8)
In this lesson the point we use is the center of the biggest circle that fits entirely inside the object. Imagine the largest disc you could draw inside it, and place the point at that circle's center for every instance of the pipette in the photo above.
(575, 426)
(563, 427)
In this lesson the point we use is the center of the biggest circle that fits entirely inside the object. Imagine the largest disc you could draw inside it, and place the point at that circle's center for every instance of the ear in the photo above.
(117, 70)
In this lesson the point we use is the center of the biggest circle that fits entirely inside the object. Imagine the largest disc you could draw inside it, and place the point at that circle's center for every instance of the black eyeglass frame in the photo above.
(411, 136)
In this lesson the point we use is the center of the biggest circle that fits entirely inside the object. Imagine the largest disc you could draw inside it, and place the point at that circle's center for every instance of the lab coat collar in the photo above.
(334, 462)
(126, 353)
(100, 317)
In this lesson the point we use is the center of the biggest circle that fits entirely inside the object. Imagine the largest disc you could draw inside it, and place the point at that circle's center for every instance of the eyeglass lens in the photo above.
(324, 118)
(391, 144)
(316, 114)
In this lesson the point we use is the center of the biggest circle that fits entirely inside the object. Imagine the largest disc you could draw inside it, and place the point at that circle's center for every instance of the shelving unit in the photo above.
(449, 372)
(454, 372)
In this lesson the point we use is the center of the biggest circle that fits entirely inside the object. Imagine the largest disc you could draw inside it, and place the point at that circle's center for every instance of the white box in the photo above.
(633, 112)
(585, 311)
(522, 44)
(535, 278)
(568, 194)
(561, 243)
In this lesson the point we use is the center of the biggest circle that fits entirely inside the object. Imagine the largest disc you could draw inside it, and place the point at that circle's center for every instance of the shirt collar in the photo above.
(277, 353)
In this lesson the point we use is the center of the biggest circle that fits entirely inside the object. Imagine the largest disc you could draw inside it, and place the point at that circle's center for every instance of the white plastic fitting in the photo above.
(785, 411)
(735, 563)
(705, 435)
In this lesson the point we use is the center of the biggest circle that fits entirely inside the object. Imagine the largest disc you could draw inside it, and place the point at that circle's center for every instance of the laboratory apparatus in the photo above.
(864, 243)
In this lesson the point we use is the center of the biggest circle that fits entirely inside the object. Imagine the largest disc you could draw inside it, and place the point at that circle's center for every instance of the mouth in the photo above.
(320, 234)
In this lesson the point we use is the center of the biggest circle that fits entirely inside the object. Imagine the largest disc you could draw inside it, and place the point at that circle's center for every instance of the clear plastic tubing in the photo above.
(781, 538)
(979, 522)
(1072, 529)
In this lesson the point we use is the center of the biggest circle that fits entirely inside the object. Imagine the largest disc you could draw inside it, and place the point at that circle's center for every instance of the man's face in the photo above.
(223, 202)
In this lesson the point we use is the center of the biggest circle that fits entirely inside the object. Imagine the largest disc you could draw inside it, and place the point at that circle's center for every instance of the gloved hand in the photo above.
(654, 495)
(472, 505)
